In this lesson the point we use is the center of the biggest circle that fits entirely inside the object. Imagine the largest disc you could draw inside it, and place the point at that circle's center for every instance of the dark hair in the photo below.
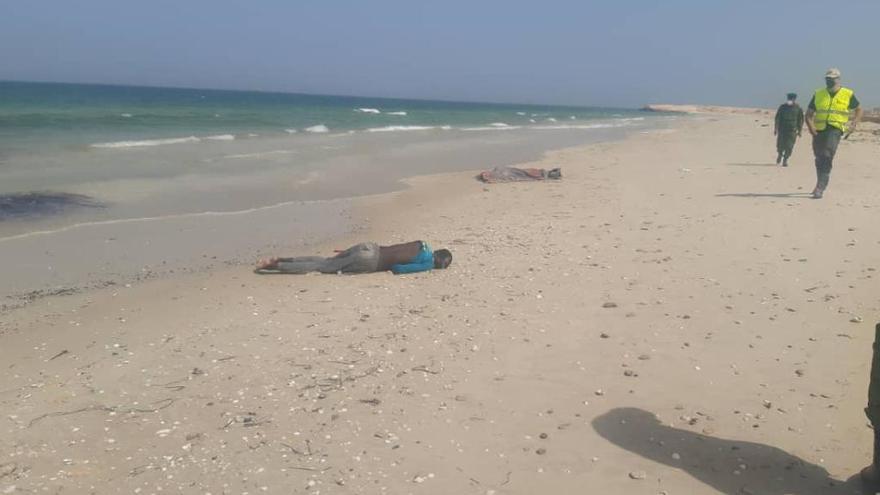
(442, 258)
(792, 96)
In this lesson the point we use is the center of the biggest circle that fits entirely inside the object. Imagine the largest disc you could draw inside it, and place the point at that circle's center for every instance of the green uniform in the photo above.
(789, 122)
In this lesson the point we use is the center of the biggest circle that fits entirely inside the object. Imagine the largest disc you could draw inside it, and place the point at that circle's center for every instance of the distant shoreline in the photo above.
(871, 115)
(698, 109)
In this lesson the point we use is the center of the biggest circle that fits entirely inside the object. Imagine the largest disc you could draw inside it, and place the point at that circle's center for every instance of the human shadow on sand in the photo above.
(802, 195)
(753, 165)
(718, 462)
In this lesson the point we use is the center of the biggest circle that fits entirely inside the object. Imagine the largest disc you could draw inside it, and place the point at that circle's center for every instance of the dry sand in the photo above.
(675, 316)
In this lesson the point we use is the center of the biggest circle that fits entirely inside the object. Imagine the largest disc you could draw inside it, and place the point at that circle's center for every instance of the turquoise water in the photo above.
(73, 154)
(103, 183)
(40, 115)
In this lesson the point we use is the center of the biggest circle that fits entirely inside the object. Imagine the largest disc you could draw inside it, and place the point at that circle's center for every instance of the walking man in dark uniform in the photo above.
(787, 128)
(828, 121)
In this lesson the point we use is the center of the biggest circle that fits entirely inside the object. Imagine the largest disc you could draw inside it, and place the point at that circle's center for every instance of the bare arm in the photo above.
(809, 121)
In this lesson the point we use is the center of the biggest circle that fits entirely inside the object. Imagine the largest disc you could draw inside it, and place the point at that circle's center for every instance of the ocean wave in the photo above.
(291, 131)
(446, 127)
(260, 154)
(146, 142)
(395, 113)
(126, 115)
(499, 124)
(551, 119)
(367, 110)
(579, 126)
(318, 129)
(143, 143)
(505, 127)
(81, 225)
(521, 113)
(395, 128)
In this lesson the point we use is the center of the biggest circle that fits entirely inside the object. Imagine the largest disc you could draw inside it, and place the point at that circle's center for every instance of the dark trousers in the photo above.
(785, 140)
(873, 409)
(824, 147)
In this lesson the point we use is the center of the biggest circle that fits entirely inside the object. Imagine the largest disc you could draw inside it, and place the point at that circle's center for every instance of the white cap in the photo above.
(833, 73)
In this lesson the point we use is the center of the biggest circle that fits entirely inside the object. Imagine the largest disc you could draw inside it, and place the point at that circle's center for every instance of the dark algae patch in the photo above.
(41, 204)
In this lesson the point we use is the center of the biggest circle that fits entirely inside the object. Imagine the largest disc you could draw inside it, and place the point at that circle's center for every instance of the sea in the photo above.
(81, 164)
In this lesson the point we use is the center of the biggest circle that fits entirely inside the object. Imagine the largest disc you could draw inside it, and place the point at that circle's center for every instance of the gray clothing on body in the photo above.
(360, 258)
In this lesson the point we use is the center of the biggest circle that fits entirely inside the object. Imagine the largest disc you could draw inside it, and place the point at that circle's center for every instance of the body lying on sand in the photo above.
(366, 257)
(513, 174)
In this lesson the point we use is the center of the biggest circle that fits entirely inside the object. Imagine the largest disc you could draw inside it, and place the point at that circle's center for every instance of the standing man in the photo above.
(828, 120)
(787, 128)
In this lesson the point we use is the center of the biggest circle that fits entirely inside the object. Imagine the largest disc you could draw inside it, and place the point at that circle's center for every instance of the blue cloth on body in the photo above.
(423, 261)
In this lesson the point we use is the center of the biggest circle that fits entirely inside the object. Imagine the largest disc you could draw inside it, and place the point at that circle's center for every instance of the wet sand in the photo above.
(674, 316)
(198, 206)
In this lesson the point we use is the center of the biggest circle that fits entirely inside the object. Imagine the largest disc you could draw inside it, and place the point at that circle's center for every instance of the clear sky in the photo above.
(587, 52)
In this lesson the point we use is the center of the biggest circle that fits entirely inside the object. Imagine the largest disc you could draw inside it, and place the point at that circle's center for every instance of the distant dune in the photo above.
(703, 109)
(873, 115)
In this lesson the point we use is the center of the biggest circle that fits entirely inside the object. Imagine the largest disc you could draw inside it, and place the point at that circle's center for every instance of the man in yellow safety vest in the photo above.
(828, 120)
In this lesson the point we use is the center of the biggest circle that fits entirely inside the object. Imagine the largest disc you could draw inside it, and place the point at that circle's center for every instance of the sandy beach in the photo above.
(675, 316)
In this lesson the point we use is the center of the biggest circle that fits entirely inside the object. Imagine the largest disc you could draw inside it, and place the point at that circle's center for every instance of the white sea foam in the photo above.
(579, 126)
(551, 119)
(532, 121)
(126, 115)
(367, 110)
(395, 113)
(222, 137)
(505, 127)
(146, 142)
(318, 129)
(499, 124)
(76, 226)
(446, 127)
(520, 113)
(291, 131)
(261, 154)
(395, 128)
(572, 117)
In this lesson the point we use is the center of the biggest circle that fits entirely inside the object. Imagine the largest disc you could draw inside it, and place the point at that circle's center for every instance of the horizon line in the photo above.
(426, 100)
